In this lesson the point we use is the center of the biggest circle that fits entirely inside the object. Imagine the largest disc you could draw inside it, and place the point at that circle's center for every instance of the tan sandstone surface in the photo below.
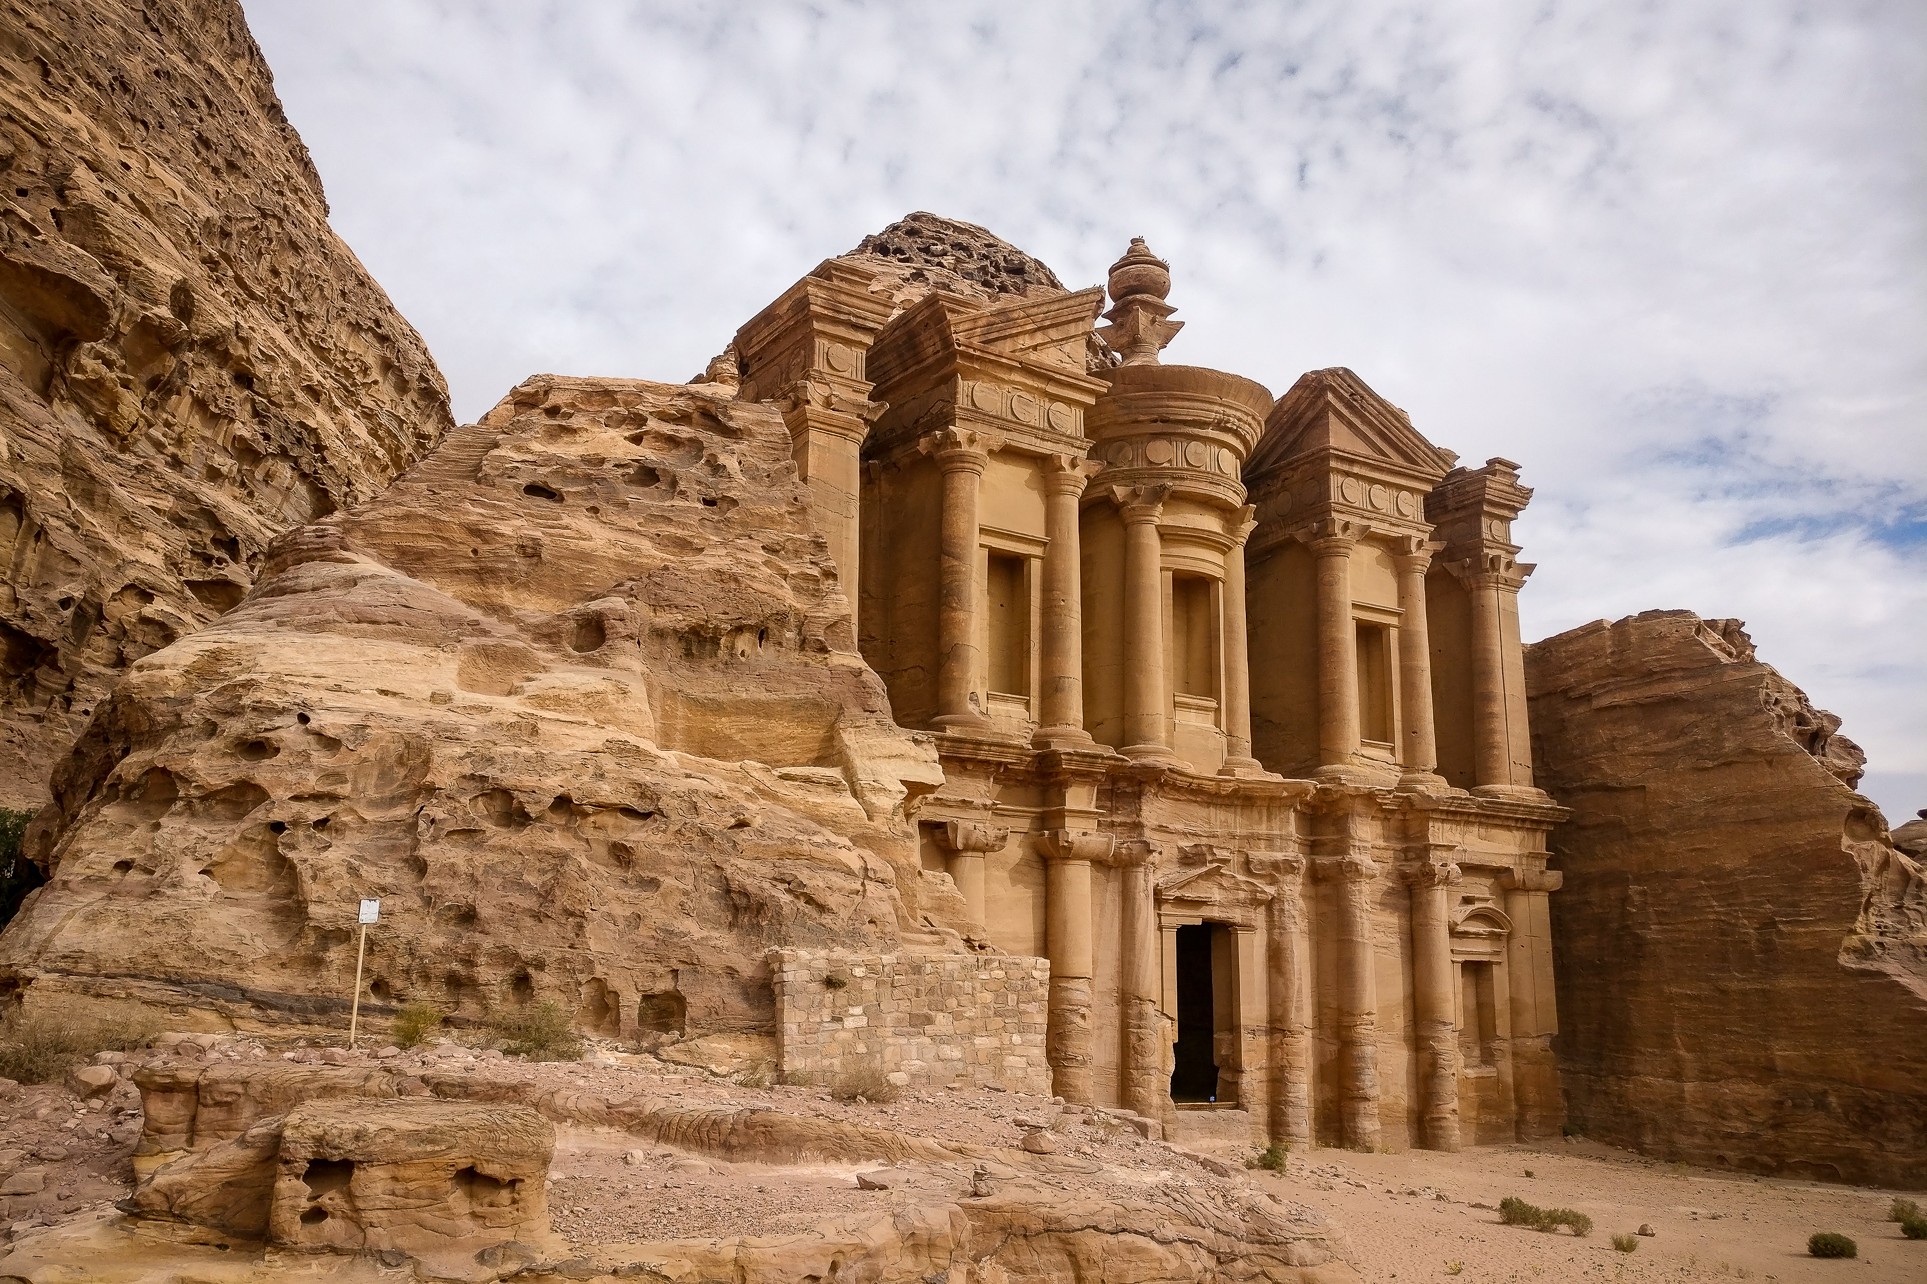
(190, 361)
(659, 1173)
(1741, 946)
(576, 699)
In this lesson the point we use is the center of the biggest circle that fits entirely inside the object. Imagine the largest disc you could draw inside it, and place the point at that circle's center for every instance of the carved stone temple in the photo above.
(1227, 691)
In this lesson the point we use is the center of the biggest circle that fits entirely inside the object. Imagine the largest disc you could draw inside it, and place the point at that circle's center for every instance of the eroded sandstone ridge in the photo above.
(190, 361)
(577, 698)
(1741, 948)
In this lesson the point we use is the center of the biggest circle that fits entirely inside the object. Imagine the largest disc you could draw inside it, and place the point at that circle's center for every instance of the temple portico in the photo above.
(1227, 692)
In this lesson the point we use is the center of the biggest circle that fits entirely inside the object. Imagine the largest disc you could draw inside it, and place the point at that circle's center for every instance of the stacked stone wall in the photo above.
(922, 1020)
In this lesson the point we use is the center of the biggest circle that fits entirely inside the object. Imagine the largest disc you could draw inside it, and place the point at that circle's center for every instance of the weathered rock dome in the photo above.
(923, 251)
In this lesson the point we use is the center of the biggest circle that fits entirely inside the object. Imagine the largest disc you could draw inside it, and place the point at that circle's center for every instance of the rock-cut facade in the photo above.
(1227, 692)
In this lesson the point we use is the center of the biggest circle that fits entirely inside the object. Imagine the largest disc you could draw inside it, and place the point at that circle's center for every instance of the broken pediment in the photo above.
(1052, 331)
(1335, 412)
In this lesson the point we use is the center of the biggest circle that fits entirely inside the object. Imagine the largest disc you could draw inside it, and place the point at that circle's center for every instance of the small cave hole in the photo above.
(537, 490)
(257, 750)
(644, 475)
(522, 989)
(303, 719)
(380, 989)
(327, 1177)
(741, 822)
(762, 637)
(484, 1191)
(320, 822)
(709, 501)
(277, 826)
(123, 867)
(590, 634)
(561, 808)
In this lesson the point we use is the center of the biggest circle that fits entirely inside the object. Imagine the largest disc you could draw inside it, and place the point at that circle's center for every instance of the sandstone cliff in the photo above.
(1741, 948)
(190, 361)
(576, 698)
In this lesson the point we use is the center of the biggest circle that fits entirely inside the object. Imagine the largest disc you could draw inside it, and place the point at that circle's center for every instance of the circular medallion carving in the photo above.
(839, 358)
(1060, 416)
(1380, 498)
(1160, 453)
(1495, 527)
(1227, 463)
(1023, 407)
(1407, 504)
(1195, 454)
(1120, 454)
(1351, 490)
(984, 397)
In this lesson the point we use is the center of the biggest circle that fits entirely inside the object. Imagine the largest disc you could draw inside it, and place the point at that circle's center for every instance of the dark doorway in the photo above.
(1194, 1076)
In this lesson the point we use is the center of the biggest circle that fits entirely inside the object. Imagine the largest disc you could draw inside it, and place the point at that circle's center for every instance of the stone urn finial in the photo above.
(1139, 317)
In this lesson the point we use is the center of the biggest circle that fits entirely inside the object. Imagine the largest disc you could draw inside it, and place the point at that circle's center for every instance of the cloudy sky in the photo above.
(1670, 256)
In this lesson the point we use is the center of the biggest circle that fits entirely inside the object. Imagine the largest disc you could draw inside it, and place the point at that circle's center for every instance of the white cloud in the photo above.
(1668, 256)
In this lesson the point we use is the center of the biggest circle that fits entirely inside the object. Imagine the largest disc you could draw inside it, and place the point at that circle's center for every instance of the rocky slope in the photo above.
(576, 698)
(1741, 947)
(190, 361)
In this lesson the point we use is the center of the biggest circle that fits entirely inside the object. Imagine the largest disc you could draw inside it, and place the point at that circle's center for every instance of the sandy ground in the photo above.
(1413, 1216)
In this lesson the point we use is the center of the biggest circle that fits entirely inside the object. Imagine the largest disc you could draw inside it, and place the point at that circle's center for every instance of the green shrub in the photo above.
(1514, 1211)
(416, 1021)
(1272, 1158)
(1625, 1243)
(540, 1032)
(18, 875)
(1901, 1209)
(38, 1047)
(1914, 1227)
(1828, 1244)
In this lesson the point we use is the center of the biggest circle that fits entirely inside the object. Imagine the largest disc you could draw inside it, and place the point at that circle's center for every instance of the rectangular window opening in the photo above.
(1194, 636)
(1008, 590)
(1374, 682)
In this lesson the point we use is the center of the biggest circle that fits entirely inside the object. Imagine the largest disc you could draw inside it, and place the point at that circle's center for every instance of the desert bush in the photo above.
(1901, 1209)
(1272, 1158)
(1914, 1227)
(757, 1074)
(868, 1084)
(18, 876)
(38, 1047)
(1514, 1211)
(1625, 1243)
(416, 1021)
(1828, 1244)
(539, 1032)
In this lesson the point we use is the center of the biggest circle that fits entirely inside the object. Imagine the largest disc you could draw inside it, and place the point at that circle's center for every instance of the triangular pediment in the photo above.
(1335, 412)
(1214, 884)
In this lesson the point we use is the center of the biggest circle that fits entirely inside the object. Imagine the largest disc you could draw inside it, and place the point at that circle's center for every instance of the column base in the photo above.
(1246, 769)
(1372, 775)
(1064, 737)
(1424, 782)
(1512, 793)
(964, 722)
(1152, 753)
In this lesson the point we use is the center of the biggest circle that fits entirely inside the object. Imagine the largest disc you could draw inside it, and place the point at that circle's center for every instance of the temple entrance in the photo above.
(1206, 957)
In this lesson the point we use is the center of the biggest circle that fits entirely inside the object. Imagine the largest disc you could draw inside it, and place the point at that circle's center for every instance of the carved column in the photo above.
(1067, 928)
(1237, 655)
(1420, 752)
(1436, 1031)
(1289, 985)
(962, 455)
(1146, 704)
(1331, 544)
(1357, 1000)
(1061, 711)
(1501, 743)
(968, 843)
(1532, 1004)
(1144, 1078)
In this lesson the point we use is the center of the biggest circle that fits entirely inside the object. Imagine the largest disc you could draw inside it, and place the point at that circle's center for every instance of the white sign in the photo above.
(370, 912)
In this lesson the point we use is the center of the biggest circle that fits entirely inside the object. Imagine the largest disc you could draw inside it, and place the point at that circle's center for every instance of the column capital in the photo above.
(1277, 867)
(1244, 520)
(960, 449)
(1431, 872)
(1491, 569)
(1413, 554)
(1133, 853)
(1070, 845)
(1352, 868)
(1531, 880)
(967, 836)
(1331, 536)
(1141, 505)
(1069, 474)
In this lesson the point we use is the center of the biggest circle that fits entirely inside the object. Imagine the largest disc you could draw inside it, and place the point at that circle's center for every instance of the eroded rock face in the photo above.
(1741, 947)
(190, 361)
(576, 699)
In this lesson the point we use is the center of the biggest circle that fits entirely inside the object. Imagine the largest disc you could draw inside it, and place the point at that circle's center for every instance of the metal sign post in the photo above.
(370, 913)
